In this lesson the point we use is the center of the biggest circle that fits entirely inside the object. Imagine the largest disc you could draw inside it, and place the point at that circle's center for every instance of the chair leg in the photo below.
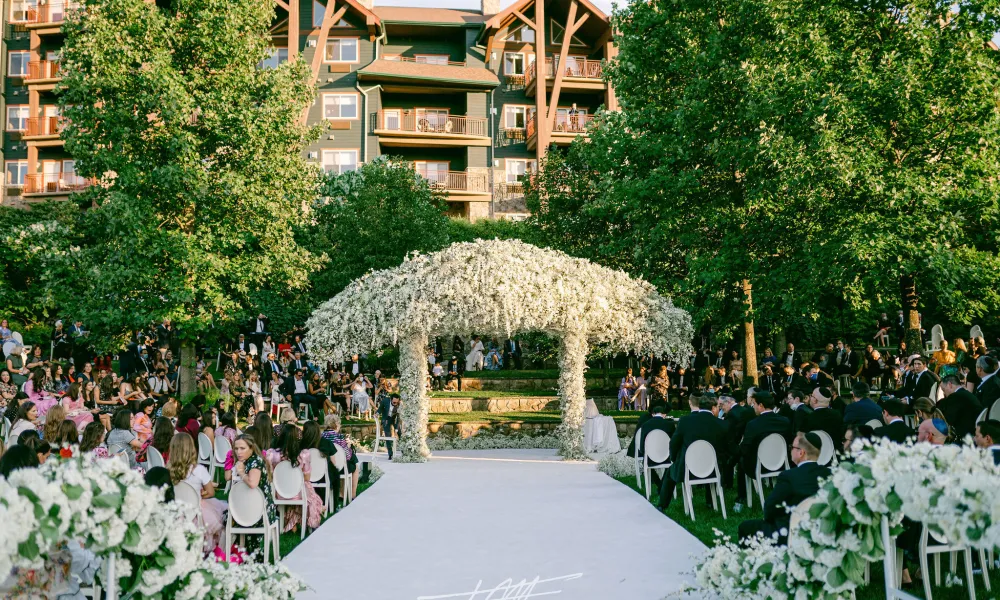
(646, 477)
(760, 491)
(986, 568)
(927, 574)
(970, 581)
(868, 572)
(277, 546)
(689, 494)
(749, 492)
(266, 541)
(305, 516)
(722, 500)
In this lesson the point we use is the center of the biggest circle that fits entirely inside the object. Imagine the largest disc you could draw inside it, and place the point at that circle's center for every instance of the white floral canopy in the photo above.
(502, 288)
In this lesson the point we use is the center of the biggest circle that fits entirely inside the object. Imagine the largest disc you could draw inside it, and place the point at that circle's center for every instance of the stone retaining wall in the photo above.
(507, 404)
(515, 385)
(467, 430)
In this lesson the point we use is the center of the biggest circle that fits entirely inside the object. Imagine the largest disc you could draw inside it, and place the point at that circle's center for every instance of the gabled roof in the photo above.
(501, 19)
(412, 14)
(393, 70)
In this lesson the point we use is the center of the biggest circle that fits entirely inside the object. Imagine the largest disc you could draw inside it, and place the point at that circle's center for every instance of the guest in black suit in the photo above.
(300, 346)
(769, 382)
(682, 383)
(658, 420)
(735, 417)
(271, 366)
(959, 406)
(702, 424)
(512, 354)
(823, 417)
(793, 381)
(792, 487)
(388, 414)
(988, 390)
(766, 423)
(861, 409)
(791, 357)
(355, 366)
(850, 362)
(295, 390)
(897, 430)
(298, 363)
(795, 410)
(988, 437)
(259, 329)
(921, 380)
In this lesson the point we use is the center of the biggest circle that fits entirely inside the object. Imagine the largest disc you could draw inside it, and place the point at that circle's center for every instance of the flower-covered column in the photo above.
(573, 350)
(413, 399)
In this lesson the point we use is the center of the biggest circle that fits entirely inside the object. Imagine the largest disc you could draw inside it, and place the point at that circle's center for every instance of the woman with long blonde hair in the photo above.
(53, 424)
(183, 467)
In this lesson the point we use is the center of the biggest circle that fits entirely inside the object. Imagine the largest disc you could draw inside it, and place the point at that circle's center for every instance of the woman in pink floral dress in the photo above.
(76, 411)
(37, 394)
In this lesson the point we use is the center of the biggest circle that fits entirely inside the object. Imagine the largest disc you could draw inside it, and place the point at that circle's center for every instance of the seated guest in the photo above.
(159, 477)
(764, 424)
(17, 457)
(163, 433)
(735, 418)
(702, 424)
(897, 430)
(959, 406)
(861, 409)
(793, 381)
(933, 431)
(187, 421)
(659, 421)
(289, 448)
(331, 433)
(791, 487)
(769, 382)
(855, 432)
(27, 419)
(925, 408)
(823, 417)
(988, 437)
(795, 410)
(183, 466)
(921, 380)
(121, 439)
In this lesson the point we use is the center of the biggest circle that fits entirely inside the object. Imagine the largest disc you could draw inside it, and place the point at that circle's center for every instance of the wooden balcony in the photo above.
(471, 185)
(408, 128)
(47, 19)
(44, 131)
(54, 184)
(43, 72)
(566, 129)
(579, 75)
(421, 60)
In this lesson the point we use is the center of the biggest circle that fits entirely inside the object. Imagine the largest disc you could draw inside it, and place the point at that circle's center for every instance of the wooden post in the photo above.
(558, 66)
(293, 29)
(749, 341)
(329, 18)
(541, 123)
(610, 100)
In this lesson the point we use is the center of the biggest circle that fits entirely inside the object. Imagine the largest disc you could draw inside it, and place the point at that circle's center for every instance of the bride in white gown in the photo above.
(474, 360)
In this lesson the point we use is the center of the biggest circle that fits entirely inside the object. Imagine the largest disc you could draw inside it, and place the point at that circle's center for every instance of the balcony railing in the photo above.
(423, 60)
(39, 126)
(43, 69)
(433, 123)
(54, 183)
(466, 181)
(574, 67)
(51, 12)
(564, 124)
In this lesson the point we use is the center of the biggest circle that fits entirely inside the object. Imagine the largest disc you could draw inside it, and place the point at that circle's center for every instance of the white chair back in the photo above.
(246, 504)
(204, 447)
(875, 423)
(8, 348)
(657, 446)
(827, 450)
(937, 335)
(700, 459)
(772, 453)
(800, 511)
(995, 411)
(287, 480)
(976, 331)
(340, 460)
(222, 448)
(16, 336)
(979, 419)
(153, 458)
(317, 466)
(183, 492)
(935, 393)
(253, 349)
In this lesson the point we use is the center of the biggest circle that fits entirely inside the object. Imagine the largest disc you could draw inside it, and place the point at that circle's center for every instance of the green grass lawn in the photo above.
(495, 394)
(545, 416)
(707, 521)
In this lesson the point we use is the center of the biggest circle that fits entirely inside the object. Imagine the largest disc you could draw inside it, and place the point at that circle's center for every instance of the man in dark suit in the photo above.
(681, 383)
(296, 391)
(896, 429)
(959, 406)
(298, 363)
(988, 437)
(792, 487)
(921, 380)
(823, 358)
(456, 368)
(271, 366)
(791, 357)
(735, 418)
(300, 346)
(701, 424)
(823, 417)
(164, 334)
(988, 390)
(259, 328)
(658, 420)
(793, 381)
(769, 382)
(388, 414)
(795, 410)
(512, 354)
(764, 424)
(355, 366)
(861, 409)
(723, 382)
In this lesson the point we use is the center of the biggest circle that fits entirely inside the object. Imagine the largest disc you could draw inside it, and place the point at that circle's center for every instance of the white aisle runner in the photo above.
(471, 520)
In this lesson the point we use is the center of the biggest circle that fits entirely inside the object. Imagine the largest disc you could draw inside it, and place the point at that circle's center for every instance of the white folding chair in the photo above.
(277, 406)
(379, 437)
(222, 449)
(5, 431)
(319, 476)
(995, 411)
(875, 423)
(827, 450)
(289, 483)
(931, 543)
(772, 459)
(153, 458)
(206, 455)
(982, 416)
(656, 449)
(183, 492)
(638, 462)
(8, 348)
(340, 463)
(16, 336)
(246, 508)
(253, 350)
(935, 393)
(701, 467)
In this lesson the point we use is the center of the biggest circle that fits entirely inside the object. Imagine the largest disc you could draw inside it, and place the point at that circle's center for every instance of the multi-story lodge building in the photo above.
(472, 98)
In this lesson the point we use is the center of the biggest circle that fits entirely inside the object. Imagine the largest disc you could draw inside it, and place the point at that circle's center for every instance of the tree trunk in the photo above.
(188, 385)
(573, 350)
(749, 341)
(780, 341)
(908, 293)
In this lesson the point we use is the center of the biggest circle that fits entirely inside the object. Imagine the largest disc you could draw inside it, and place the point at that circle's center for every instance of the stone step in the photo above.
(514, 385)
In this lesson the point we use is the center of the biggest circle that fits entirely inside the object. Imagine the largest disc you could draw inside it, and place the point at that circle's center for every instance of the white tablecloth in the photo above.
(600, 435)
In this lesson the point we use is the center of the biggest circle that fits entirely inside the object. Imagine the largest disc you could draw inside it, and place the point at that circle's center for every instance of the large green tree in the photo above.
(198, 156)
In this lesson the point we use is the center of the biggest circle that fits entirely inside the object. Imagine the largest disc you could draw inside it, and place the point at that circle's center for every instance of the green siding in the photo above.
(450, 42)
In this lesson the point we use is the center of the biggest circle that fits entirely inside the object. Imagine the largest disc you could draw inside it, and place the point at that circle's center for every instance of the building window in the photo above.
(340, 161)
(517, 169)
(340, 106)
(432, 171)
(432, 119)
(17, 63)
(319, 11)
(341, 50)
(515, 117)
(17, 172)
(275, 58)
(521, 34)
(17, 117)
(513, 63)
(431, 59)
(19, 10)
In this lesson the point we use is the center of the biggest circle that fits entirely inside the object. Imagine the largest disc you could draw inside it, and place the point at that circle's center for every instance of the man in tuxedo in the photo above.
(682, 383)
(512, 354)
(701, 424)
(164, 334)
(769, 382)
(988, 390)
(793, 381)
(896, 429)
(259, 328)
(823, 357)
(456, 368)
(723, 382)
(921, 381)
(735, 418)
(764, 424)
(823, 417)
(900, 326)
(861, 409)
(388, 414)
(144, 366)
(791, 357)
(795, 409)
(658, 420)
(959, 406)
(988, 437)
(295, 390)
(355, 367)
(298, 363)
(791, 487)
(300, 346)
(271, 366)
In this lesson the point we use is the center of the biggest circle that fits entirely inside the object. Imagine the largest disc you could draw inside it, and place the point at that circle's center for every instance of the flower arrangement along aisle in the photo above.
(110, 511)
(497, 288)
(950, 489)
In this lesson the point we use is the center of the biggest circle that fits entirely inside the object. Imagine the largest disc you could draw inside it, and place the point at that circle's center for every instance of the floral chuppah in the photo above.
(502, 288)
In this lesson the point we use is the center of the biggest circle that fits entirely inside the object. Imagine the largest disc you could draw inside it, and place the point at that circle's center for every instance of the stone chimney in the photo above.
(490, 7)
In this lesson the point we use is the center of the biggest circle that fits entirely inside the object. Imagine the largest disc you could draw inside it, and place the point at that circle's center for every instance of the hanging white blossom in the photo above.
(497, 288)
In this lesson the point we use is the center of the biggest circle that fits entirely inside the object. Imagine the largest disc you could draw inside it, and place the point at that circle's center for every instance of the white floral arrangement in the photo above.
(375, 472)
(618, 465)
(109, 510)
(486, 440)
(951, 489)
(497, 288)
